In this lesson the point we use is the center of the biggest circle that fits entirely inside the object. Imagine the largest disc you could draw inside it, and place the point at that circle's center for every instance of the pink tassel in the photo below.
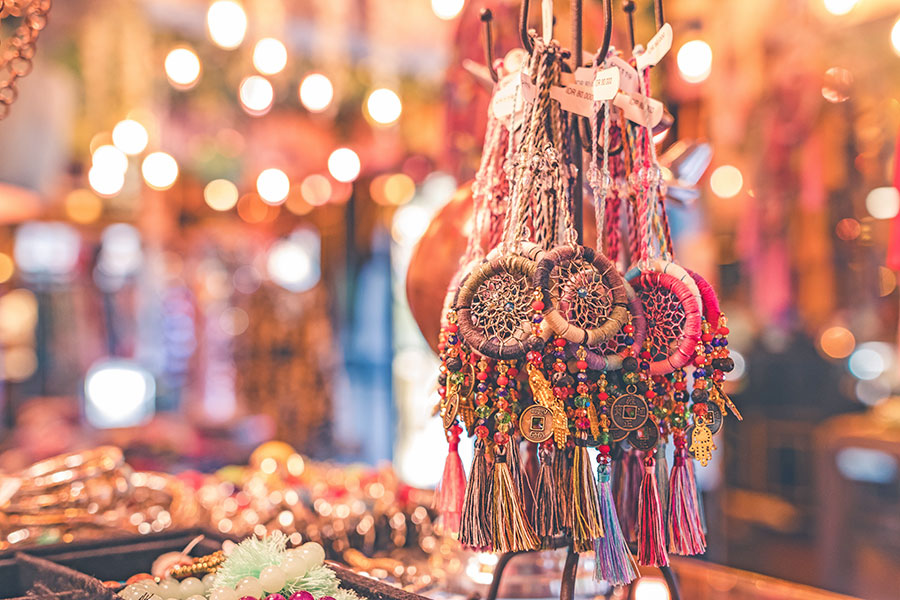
(685, 528)
(451, 493)
(626, 490)
(651, 537)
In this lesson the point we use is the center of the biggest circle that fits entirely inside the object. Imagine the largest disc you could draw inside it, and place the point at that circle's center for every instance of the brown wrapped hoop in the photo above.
(544, 279)
(615, 349)
(506, 339)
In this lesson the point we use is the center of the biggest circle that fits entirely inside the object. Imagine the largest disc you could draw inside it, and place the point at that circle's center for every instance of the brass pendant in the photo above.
(544, 396)
(702, 443)
(629, 411)
(646, 436)
(536, 423)
(450, 410)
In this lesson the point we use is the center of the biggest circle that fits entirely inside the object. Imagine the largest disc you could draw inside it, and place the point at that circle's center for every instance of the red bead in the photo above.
(723, 331)
(582, 388)
(603, 449)
(580, 412)
(646, 355)
(559, 366)
(718, 376)
(628, 328)
(442, 392)
(512, 372)
(501, 404)
(452, 327)
(680, 386)
(502, 380)
(582, 423)
(603, 396)
(481, 376)
(481, 398)
(441, 347)
(650, 394)
(481, 431)
(533, 356)
(706, 337)
(560, 342)
(501, 438)
(537, 305)
(581, 365)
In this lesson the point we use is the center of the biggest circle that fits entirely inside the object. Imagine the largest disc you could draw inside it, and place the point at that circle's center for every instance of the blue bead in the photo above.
(629, 340)
(581, 376)
(502, 392)
(723, 342)
(451, 338)
(537, 319)
(482, 387)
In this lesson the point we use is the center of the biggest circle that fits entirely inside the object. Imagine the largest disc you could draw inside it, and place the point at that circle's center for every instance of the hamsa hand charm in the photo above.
(702, 443)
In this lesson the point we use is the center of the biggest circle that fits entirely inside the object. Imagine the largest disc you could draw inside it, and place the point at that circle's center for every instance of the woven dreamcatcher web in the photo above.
(494, 304)
(673, 319)
(608, 356)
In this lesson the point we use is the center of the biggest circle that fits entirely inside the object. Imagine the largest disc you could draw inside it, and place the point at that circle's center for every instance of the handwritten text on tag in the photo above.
(656, 48)
(606, 84)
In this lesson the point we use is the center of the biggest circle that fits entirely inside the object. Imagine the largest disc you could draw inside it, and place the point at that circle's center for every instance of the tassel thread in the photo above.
(451, 493)
(510, 529)
(586, 512)
(651, 536)
(546, 515)
(614, 561)
(475, 520)
(685, 528)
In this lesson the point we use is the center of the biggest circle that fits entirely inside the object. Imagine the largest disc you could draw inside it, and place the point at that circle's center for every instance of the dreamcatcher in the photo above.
(545, 342)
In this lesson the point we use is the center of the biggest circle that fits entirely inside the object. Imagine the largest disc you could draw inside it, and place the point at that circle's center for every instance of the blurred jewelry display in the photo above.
(17, 51)
(259, 567)
(568, 348)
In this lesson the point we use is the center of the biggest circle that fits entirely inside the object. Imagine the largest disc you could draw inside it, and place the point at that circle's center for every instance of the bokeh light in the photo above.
(384, 106)
(866, 363)
(839, 7)
(220, 194)
(109, 157)
(182, 68)
(159, 170)
(118, 393)
(7, 267)
(293, 263)
(273, 186)
(226, 23)
(883, 202)
(252, 209)
(836, 85)
(316, 92)
(344, 165)
(269, 56)
(130, 137)
(83, 206)
(726, 181)
(447, 9)
(887, 281)
(256, 95)
(848, 229)
(694, 61)
(316, 190)
(651, 588)
(837, 342)
(106, 181)
(895, 36)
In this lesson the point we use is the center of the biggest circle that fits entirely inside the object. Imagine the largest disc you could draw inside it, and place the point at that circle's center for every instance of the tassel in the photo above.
(450, 495)
(614, 561)
(510, 529)
(632, 471)
(685, 529)
(651, 537)
(662, 480)
(524, 491)
(586, 513)
(546, 517)
(689, 461)
(562, 469)
(475, 520)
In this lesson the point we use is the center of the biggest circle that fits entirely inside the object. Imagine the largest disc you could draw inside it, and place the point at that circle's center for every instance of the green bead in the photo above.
(483, 411)
(503, 417)
(515, 408)
(604, 437)
(582, 401)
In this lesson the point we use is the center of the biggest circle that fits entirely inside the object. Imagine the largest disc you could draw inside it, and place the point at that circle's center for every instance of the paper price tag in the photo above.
(628, 76)
(657, 47)
(504, 101)
(606, 84)
(633, 106)
(574, 98)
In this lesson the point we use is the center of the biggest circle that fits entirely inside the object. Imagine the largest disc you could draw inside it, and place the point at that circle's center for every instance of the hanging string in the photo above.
(600, 180)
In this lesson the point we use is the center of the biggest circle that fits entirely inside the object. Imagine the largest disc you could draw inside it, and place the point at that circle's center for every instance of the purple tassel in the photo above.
(614, 561)
(685, 528)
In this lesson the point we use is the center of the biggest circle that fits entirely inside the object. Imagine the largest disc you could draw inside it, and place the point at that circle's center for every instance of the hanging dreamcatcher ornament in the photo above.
(18, 50)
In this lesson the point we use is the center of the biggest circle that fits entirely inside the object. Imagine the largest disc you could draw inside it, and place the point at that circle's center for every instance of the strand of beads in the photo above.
(503, 416)
(585, 414)
(483, 409)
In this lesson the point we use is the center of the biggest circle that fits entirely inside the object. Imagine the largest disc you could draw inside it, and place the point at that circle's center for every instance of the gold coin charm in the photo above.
(702, 443)
(646, 436)
(629, 412)
(536, 423)
(451, 408)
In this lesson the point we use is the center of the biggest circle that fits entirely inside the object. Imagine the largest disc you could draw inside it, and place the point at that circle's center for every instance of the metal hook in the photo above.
(607, 32)
(523, 27)
(628, 7)
(486, 17)
(658, 12)
(584, 129)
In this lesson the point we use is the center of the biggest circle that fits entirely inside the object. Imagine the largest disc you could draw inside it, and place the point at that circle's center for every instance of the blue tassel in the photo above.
(614, 561)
